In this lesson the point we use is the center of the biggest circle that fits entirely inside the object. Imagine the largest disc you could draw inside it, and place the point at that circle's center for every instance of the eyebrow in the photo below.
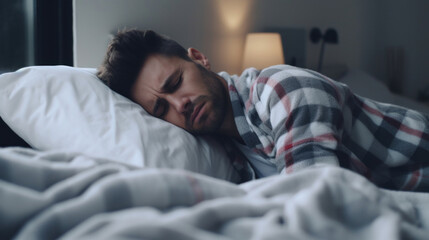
(164, 88)
(167, 82)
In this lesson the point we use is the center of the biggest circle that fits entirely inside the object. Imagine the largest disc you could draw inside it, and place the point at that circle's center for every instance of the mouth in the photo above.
(196, 112)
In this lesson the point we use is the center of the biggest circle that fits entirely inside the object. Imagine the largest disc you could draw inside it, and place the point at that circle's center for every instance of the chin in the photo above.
(210, 124)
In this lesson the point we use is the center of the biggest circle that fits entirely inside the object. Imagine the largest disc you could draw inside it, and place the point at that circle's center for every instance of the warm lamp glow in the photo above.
(233, 12)
(262, 50)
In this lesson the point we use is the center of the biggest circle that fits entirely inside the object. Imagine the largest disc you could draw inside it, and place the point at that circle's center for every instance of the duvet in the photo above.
(49, 195)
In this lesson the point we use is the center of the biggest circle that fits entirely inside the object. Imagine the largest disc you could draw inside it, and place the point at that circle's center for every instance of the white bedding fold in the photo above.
(51, 195)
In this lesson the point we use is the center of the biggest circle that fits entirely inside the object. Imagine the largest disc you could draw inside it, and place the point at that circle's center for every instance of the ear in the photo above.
(199, 57)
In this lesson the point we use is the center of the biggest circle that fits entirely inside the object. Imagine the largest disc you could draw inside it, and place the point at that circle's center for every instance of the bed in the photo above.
(368, 86)
(99, 167)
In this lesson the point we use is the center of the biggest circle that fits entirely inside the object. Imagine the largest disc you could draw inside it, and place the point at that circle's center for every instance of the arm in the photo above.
(302, 114)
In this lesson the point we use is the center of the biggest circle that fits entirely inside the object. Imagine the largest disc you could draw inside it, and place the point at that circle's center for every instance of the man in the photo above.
(283, 118)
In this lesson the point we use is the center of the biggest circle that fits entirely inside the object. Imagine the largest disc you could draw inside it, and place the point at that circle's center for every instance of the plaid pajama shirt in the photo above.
(296, 118)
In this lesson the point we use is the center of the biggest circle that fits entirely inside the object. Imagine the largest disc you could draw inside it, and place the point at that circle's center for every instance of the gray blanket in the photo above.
(48, 195)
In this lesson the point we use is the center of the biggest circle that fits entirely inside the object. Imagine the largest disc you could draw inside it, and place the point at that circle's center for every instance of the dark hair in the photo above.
(126, 54)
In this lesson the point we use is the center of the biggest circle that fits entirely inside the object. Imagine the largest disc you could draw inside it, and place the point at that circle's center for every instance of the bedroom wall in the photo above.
(218, 28)
(353, 21)
(196, 23)
(404, 23)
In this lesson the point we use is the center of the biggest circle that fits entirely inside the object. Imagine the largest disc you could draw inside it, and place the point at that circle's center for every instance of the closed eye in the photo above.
(160, 108)
(175, 84)
(179, 82)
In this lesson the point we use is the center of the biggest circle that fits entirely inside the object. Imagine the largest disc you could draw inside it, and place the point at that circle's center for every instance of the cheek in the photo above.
(196, 83)
(175, 119)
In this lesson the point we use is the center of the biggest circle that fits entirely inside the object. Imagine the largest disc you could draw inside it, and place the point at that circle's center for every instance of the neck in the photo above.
(229, 128)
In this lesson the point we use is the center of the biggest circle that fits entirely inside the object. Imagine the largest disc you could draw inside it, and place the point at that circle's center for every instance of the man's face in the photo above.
(181, 92)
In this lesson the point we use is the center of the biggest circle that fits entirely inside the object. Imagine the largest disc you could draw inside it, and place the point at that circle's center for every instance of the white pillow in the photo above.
(368, 86)
(66, 108)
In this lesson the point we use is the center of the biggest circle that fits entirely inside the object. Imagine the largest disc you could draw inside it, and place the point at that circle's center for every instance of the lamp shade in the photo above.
(262, 50)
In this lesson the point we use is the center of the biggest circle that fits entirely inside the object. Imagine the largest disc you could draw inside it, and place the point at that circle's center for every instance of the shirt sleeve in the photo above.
(300, 111)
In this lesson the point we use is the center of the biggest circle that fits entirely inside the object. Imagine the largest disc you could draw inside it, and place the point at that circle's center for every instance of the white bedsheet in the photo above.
(46, 195)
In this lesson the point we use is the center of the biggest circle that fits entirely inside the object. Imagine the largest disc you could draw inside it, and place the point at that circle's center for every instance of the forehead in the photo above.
(155, 70)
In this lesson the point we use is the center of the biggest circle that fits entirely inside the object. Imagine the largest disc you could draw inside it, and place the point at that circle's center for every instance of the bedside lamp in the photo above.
(262, 50)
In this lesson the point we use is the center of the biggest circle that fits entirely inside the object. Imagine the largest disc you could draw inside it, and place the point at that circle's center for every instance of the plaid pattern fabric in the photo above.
(297, 118)
(239, 161)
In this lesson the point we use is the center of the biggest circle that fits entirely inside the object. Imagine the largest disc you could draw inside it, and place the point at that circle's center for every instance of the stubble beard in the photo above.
(214, 117)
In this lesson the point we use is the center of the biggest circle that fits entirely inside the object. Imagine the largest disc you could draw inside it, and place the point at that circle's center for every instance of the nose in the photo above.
(181, 104)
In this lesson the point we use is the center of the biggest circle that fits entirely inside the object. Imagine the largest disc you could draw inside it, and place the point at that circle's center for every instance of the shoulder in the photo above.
(296, 83)
(294, 77)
